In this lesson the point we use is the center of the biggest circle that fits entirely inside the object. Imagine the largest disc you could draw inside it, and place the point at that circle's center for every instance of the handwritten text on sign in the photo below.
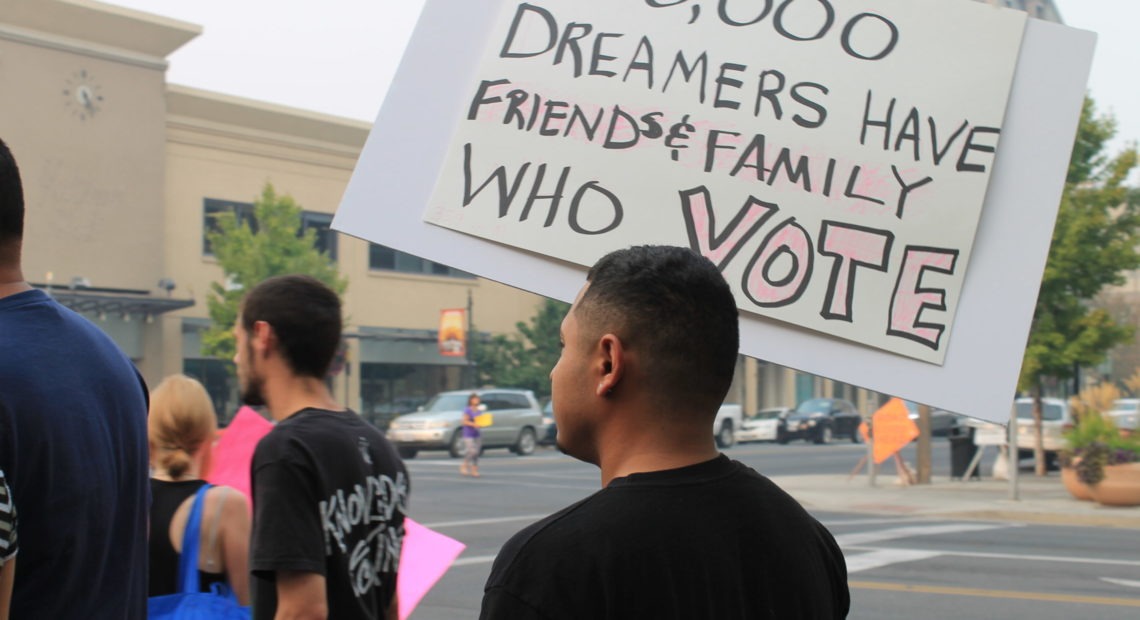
(830, 156)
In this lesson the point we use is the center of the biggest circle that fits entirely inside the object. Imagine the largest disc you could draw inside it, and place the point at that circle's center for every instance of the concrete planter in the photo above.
(1120, 487)
(1074, 486)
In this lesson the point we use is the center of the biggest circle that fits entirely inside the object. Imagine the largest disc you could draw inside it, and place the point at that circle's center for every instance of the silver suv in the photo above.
(437, 425)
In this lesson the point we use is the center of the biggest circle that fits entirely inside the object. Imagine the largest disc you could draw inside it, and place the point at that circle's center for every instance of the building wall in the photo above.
(227, 148)
(88, 176)
(116, 191)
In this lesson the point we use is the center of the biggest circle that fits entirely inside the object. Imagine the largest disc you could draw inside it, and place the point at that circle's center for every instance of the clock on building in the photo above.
(82, 95)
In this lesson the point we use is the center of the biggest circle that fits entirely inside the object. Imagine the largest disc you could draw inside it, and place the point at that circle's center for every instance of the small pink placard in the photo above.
(234, 451)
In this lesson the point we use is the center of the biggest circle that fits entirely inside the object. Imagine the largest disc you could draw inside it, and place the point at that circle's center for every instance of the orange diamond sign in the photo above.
(892, 429)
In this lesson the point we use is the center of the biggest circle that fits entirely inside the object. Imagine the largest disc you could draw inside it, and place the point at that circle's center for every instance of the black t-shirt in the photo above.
(714, 540)
(329, 497)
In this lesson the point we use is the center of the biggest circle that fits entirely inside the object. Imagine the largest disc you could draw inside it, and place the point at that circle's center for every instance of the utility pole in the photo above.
(469, 350)
(1014, 461)
(923, 448)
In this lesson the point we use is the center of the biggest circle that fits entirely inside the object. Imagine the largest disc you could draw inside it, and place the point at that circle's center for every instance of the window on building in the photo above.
(384, 258)
(213, 208)
(326, 237)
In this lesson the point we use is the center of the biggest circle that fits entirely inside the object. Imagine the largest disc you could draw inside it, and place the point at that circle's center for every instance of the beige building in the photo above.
(122, 170)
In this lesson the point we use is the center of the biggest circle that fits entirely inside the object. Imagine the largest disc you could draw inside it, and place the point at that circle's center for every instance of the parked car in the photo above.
(729, 418)
(942, 423)
(820, 420)
(764, 425)
(515, 416)
(1056, 418)
(1125, 412)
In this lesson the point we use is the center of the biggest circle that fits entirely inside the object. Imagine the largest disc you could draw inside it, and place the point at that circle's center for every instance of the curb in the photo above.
(1042, 501)
(1046, 518)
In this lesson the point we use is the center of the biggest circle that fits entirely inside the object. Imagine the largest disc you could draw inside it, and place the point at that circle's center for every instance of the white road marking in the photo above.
(499, 480)
(1122, 582)
(1000, 556)
(863, 538)
(841, 523)
(490, 521)
(478, 559)
(885, 557)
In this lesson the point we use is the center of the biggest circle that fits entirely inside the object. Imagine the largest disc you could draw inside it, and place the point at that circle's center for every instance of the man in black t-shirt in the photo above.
(678, 530)
(329, 491)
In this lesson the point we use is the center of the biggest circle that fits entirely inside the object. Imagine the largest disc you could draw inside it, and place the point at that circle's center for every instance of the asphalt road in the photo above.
(900, 567)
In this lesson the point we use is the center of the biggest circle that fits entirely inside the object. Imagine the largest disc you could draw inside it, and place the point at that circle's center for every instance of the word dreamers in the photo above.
(722, 85)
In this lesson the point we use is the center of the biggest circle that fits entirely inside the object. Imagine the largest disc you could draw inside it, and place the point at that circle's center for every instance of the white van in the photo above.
(1056, 418)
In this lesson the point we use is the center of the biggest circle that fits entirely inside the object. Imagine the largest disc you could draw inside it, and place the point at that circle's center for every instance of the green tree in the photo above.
(523, 359)
(1095, 240)
(248, 256)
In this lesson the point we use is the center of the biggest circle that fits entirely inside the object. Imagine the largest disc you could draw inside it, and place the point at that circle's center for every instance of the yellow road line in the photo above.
(1005, 594)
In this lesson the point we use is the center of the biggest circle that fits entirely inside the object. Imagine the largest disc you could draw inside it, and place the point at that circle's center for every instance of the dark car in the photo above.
(820, 420)
(942, 423)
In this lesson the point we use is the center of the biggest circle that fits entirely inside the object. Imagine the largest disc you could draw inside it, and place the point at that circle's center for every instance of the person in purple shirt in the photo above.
(472, 437)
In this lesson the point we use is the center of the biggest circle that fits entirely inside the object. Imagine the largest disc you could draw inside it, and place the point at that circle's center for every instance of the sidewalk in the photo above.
(1041, 500)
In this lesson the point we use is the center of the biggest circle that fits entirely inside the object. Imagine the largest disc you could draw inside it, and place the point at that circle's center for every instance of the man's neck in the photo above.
(292, 394)
(658, 458)
(640, 444)
(12, 281)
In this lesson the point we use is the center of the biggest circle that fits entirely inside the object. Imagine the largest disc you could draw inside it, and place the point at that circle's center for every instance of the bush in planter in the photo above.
(1097, 455)
(1094, 441)
(1084, 440)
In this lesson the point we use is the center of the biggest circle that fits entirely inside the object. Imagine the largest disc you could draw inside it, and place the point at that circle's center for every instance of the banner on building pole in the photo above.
(453, 332)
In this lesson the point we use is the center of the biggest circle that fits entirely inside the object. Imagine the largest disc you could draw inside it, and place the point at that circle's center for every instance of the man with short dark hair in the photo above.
(329, 491)
(678, 530)
(73, 444)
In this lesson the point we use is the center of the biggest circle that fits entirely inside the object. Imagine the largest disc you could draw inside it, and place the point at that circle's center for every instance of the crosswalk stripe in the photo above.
(885, 557)
(863, 538)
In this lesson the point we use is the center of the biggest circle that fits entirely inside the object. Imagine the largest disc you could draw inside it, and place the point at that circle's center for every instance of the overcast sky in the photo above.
(338, 56)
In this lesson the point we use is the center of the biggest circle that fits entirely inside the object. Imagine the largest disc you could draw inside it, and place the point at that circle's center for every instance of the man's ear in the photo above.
(262, 337)
(611, 362)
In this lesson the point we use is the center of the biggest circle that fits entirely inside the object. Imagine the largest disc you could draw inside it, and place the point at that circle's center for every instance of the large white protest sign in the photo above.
(431, 98)
(831, 157)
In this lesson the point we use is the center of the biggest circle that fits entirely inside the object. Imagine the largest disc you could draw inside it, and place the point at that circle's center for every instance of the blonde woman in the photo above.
(181, 430)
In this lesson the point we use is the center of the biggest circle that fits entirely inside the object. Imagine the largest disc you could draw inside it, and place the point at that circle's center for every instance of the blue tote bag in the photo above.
(188, 603)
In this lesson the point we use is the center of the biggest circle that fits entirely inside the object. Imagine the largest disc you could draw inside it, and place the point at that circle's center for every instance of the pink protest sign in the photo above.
(234, 451)
(425, 557)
